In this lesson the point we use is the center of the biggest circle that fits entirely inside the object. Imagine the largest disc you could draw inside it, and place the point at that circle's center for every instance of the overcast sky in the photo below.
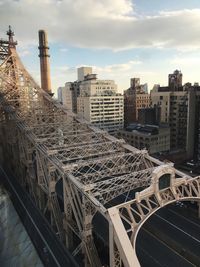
(120, 39)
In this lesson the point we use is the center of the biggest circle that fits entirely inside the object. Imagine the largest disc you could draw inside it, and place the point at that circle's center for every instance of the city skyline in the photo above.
(120, 39)
(97, 178)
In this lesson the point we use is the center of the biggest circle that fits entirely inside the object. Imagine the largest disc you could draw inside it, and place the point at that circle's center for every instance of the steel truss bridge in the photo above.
(43, 143)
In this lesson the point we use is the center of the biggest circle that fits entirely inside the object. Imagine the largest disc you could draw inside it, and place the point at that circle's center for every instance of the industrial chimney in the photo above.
(44, 62)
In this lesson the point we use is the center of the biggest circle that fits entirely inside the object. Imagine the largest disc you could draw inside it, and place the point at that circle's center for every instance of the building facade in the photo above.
(82, 72)
(100, 104)
(65, 96)
(135, 98)
(178, 109)
(68, 95)
(175, 80)
(197, 130)
(149, 115)
(95, 100)
(155, 139)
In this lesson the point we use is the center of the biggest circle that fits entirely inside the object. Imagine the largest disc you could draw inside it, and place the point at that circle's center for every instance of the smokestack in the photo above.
(44, 62)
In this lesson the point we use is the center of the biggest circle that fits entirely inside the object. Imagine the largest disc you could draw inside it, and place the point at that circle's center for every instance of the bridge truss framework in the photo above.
(43, 144)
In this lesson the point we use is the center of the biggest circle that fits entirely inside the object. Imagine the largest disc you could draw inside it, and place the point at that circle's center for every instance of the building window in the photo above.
(164, 181)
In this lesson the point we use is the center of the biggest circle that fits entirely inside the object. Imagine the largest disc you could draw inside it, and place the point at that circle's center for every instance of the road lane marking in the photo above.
(184, 217)
(174, 251)
(197, 240)
(149, 255)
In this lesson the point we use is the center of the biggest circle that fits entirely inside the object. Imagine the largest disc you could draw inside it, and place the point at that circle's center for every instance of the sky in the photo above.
(120, 39)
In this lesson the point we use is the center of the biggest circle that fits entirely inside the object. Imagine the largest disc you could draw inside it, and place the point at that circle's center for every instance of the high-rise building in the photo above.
(178, 108)
(100, 104)
(68, 94)
(149, 115)
(135, 98)
(95, 100)
(197, 126)
(82, 72)
(175, 80)
(65, 96)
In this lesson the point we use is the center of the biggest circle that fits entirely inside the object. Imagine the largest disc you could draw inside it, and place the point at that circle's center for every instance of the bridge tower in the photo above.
(10, 34)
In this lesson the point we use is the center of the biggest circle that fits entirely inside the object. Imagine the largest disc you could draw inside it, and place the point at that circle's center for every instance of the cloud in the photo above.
(63, 50)
(24, 52)
(100, 24)
(189, 64)
(186, 61)
(112, 69)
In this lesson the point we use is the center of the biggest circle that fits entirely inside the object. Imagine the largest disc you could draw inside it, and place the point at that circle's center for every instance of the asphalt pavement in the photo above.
(171, 237)
(152, 252)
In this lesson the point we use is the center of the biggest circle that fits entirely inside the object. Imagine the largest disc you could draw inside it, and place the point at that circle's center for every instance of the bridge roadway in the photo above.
(173, 222)
(51, 251)
(152, 252)
(172, 230)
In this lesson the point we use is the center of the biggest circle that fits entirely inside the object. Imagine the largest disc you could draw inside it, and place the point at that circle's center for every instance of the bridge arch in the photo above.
(166, 188)
(163, 179)
(154, 211)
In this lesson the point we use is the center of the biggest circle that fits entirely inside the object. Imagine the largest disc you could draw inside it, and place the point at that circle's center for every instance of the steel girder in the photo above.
(46, 144)
(131, 215)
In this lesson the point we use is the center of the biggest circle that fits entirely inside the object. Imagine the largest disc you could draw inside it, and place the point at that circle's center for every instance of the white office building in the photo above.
(65, 96)
(94, 100)
(100, 104)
